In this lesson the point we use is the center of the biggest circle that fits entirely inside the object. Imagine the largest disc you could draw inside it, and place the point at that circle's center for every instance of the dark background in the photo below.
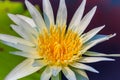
(108, 13)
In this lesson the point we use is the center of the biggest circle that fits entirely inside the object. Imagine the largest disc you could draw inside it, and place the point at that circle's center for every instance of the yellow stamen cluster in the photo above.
(59, 47)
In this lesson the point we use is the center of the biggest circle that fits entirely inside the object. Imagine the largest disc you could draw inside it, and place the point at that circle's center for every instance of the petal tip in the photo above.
(97, 72)
(9, 14)
(12, 25)
(84, 1)
(112, 60)
(27, 2)
(95, 7)
(101, 27)
(112, 35)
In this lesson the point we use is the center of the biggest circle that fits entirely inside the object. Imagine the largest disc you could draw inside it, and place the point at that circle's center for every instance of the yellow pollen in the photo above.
(59, 47)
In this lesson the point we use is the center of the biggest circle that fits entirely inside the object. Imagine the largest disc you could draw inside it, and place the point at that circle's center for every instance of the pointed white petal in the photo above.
(21, 22)
(15, 40)
(85, 21)
(98, 36)
(82, 72)
(68, 73)
(84, 67)
(62, 13)
(77, 16)
(21, 31)
(35, 15)
(28, 20)
(38, 62)
(20, 47)
(97, 54)
(87, 36)
(22, 70)
(46, 74)
(26, 54)
(94, 42)
(94, 59)
(48, 13)
(55, 70)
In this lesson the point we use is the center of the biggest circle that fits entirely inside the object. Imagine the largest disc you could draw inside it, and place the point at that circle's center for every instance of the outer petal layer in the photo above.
(77, 16)
(28, 20)
(84, 67)
(62, 14)
(69, 73)
(97, 54)
(48, 13)
(94, 59)
(96, 41)
(46, 74)
(87, 36)
(35, 15)
(22, 70)
(86, 20)
(15, 40)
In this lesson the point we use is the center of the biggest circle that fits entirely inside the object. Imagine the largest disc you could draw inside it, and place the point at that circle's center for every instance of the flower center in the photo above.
(59, 47)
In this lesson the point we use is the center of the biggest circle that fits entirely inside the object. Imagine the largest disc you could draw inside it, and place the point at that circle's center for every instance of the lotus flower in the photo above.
(55, 45)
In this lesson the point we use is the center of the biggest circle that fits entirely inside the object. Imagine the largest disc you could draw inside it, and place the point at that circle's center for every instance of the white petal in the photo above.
(82, 73)
(35, 15)
(77, 16)
(84, 67)
(85, 21)
(55, 70)
(20, 47)
(22, 70)
(38, 62)
(94, 59)
(15, 40)
(87, 36)
(48, 13)
(46, 74)
(94, 42)
(98, 36)
(62, 13)
(90, 53)
(21, 22)
(69, 73)
(21, 31)
(28, 20)
(26, 54)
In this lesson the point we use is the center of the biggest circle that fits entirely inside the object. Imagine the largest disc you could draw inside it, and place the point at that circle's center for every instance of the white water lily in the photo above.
(50, 44)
